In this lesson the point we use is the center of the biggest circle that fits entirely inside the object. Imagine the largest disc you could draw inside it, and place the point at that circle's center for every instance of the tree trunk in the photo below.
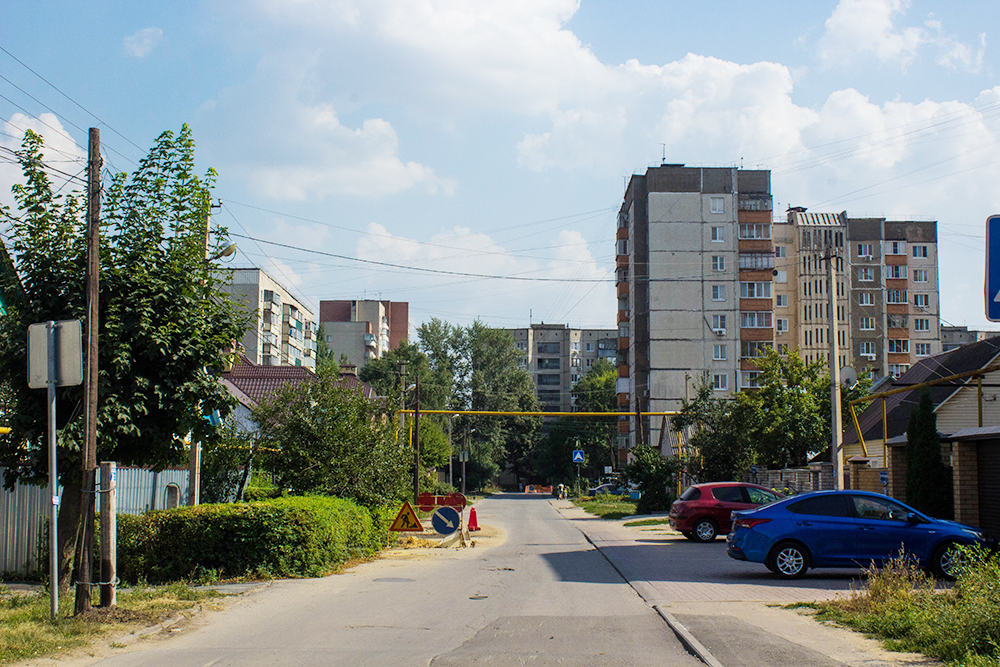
(69, 528)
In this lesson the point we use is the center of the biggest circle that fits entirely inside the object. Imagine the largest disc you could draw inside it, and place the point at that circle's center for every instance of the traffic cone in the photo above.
(473, 524)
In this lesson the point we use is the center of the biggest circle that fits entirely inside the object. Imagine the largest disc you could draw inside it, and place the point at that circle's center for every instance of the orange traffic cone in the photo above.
(473, 524)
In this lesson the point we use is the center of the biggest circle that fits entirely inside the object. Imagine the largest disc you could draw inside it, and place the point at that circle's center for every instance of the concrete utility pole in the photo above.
(836, 428)
(402, 398)
(87, 488)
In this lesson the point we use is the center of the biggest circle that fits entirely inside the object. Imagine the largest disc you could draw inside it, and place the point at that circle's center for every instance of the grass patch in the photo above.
(901, 605)
(26, 631)
(606, 507)
(647, 522)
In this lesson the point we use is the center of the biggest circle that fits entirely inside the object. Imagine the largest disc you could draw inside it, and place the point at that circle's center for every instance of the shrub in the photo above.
(653, 474)
(284, 537)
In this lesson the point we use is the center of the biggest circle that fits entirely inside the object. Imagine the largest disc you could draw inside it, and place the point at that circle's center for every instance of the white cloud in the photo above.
(60, 151)
(866, 26)
(142, 42)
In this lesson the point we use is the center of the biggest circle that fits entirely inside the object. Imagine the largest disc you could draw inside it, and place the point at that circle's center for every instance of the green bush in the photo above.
(284, 537)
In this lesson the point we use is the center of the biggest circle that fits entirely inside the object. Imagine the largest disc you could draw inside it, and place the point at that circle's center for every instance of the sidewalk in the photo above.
(734, 610)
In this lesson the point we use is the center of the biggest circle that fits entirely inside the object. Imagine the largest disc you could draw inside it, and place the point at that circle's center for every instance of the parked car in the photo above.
(704, 511)
(609, 489)
(845, 529)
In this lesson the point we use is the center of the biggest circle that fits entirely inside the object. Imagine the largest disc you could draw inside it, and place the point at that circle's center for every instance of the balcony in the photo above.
(755, 201)
(623, 343)
(623, 316)
(622, 289)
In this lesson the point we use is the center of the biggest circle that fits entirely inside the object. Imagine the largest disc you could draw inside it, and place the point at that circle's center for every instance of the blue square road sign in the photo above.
(993, 268)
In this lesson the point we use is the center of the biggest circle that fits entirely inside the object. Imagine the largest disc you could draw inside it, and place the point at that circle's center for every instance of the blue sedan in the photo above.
(845, 529)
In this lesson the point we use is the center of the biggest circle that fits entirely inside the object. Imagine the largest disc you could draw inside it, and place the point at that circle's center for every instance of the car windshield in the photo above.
(691, 493)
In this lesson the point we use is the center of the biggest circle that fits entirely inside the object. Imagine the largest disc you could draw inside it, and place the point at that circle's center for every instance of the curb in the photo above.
(690, 642)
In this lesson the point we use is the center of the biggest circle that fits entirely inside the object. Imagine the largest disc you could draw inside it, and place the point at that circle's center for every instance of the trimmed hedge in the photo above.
(284, 537)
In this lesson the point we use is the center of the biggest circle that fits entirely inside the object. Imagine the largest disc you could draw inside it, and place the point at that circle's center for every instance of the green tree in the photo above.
(653, 474)
(224, 462)
(722, 441)
(325, 357)
(928, 484)
(322, 437)
(164, 323)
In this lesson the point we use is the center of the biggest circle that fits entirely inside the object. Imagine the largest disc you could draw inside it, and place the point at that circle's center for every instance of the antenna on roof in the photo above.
(663, 159)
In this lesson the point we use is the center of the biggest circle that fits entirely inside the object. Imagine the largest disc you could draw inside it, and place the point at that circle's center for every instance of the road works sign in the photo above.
(993, 268)
(406, 521)
(427, 501)
(577, 456)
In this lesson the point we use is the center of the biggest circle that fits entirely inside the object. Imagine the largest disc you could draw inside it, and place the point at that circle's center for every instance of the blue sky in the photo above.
(495, 138)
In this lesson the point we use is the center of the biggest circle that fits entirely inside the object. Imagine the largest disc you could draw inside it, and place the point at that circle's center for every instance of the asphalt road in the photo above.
(544, 597)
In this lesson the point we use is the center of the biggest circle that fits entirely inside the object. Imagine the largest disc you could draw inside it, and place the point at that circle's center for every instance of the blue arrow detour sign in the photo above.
(446, 520)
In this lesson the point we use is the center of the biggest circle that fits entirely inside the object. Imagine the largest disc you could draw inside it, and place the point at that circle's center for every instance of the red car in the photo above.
(704, 510)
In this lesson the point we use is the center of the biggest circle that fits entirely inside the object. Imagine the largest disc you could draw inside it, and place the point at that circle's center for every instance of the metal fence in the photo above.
(24, 511)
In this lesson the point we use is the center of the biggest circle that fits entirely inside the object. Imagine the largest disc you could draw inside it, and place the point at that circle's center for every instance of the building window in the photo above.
(718, 292)
(756, 260)
(866, 273)
(899, 346)
(755, 290)
(896, 296)
(895, 248)
(718, 205)
(866, 323)
(866, 250)
(865, 299)
(919, 275)
(718, 234)
(750, 379)
(719, 322)
(622, 246)
(574, 378)
(920, 251)
(548, 379)
(781, 300)
(779, 251)
(718, 352)
(781, 276)
(591, 361)
(755, 231)
(718, 263)
(923, 349)
(895, 370)
(590, 347)
(547, 363)
(921, 324)
(720, 381)
(575, 346)
(575, 362)
(922, 300)
(782, 323)
(755, 319)
(549, 348)
(896, 272)
(867, 349)
(897, 321)
(751, 349)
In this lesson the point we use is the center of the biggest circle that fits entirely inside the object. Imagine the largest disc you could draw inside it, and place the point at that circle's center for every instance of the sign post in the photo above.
(993, 268)
(55, 359)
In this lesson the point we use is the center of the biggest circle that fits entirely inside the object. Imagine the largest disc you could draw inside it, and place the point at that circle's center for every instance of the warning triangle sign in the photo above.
(406, 521)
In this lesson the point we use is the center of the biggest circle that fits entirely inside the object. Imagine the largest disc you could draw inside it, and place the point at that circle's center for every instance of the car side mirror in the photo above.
(912, 518)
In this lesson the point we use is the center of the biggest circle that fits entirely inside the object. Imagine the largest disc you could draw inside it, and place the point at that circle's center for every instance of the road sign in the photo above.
(577, 456)
(608, 470)
(883, 477)
(753, 469)
(426, 502)
(406, 521)
(68, 358)
(446, 520)
(993, 268)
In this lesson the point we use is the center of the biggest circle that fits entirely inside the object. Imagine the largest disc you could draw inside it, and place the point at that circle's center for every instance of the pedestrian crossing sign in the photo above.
(406, 521)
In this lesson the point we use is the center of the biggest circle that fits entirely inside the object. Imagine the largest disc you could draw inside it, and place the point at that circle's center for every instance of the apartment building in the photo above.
(695, 278)
(558, 357)
(954, 337)
(364, 329)
(282, 330)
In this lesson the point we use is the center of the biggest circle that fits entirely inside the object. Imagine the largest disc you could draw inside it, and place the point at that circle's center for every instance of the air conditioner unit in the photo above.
(719, 332)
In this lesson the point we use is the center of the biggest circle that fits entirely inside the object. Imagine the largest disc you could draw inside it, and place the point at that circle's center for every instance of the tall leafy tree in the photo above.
(164, 322)
(325, 357)
(321, 436)
(928, 484)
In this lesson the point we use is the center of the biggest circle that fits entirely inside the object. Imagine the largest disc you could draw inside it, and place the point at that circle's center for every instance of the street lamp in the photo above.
(228, 251)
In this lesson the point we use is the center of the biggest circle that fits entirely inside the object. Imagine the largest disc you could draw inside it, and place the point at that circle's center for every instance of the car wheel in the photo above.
(945, 561)
(789, 560)
(705, 530)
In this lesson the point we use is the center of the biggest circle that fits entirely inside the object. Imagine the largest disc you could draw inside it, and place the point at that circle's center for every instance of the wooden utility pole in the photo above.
(109, 534)
(89, 462)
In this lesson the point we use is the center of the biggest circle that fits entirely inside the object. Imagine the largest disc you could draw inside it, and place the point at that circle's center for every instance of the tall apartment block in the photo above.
(364, 329)
(282, 331)
(887, 289)
(695, 272)
(558, 357)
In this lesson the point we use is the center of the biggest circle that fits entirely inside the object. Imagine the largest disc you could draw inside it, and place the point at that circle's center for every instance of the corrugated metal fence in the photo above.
(24, 511)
